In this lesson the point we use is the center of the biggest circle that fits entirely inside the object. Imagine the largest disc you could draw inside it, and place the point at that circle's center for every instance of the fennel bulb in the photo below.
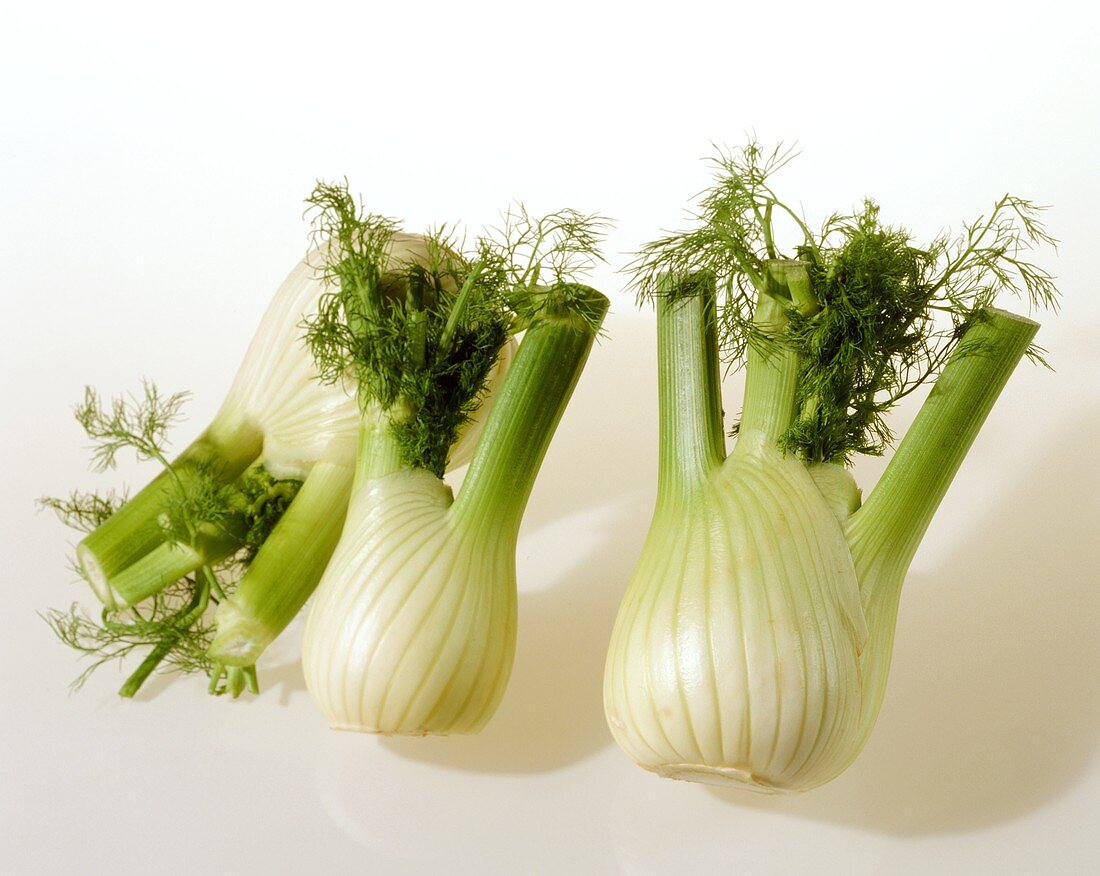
(420, 637)
(412, 630)
(753, 643)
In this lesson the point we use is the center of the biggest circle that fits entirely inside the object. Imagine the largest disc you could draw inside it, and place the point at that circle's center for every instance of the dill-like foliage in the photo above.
(420, 335)
(83, 511)
(543, 259)
(564, 245)
(172, 625)
(139, 423)
(885, 314)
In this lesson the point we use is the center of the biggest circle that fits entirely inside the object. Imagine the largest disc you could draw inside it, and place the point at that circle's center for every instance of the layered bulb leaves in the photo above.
(753, 643)
(416, 632)
(736, 654)
(413, 627)
(277, 391)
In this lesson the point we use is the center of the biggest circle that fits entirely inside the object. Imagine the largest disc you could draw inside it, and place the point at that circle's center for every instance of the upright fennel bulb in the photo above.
(412, 630)
(754, 640)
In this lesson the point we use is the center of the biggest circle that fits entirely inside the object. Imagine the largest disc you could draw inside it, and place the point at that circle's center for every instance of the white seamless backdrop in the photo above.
(153, 163)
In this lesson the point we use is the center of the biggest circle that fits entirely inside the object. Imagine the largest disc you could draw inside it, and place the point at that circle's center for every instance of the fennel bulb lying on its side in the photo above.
(412, 630)
(245, 517)
(754, 641)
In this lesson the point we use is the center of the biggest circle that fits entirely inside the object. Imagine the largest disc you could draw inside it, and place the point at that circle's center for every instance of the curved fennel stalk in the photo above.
(413, 627)
(754, 641)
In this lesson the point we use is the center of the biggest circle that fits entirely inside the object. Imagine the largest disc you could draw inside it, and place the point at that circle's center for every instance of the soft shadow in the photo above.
(284, 681)
(993, 707)
(593, 500)
(157, 683)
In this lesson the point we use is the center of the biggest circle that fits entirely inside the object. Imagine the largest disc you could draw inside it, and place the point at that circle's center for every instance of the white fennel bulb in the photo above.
(736, 655)
(753, 643)
(413, 627)
(235, 492)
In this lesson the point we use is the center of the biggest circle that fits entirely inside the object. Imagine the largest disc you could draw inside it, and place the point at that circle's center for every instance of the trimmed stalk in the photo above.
(884, 534)
(286, 569)
(896, 515)
(526, 413)
(771, 369)
(133, 531)
(688, 390)
(168, 563)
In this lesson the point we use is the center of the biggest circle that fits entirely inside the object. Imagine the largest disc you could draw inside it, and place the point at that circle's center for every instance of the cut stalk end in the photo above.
(95, 576)
(721, 777)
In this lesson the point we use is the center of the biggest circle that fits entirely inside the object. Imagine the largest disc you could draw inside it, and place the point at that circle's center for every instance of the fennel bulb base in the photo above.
(425, 731)
(735, 654)
(721, 777)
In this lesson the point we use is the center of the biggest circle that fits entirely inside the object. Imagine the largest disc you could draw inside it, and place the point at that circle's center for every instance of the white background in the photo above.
(153, 162)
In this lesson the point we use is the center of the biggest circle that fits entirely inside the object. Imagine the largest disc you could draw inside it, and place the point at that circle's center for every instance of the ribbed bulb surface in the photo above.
(735, 654)
(413, 626)
(277, 390)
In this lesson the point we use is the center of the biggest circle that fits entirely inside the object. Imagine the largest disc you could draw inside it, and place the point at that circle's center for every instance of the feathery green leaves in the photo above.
(137, 422)
(83, 511)
(884, 314)
(172, 624)
(415, 323)
(543, 259)
(418, 324)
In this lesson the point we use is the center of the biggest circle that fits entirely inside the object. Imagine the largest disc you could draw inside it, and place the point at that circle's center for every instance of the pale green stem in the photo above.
(133, 531)
(140, 675)
(884, 534)
(183, 623)
(287, 568)
(771, 377)
(167, 563)
(896, 515)
(378, 453)
(688, 389)
(524, 416)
